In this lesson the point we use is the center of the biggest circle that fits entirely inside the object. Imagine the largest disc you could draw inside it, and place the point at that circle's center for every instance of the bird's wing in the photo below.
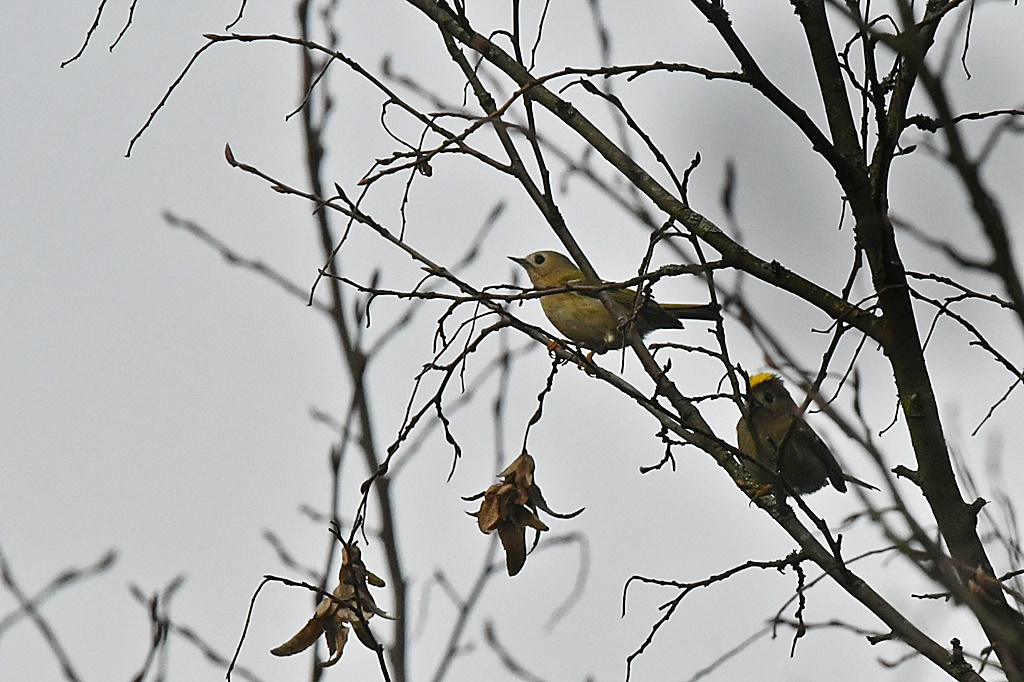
(822, 452)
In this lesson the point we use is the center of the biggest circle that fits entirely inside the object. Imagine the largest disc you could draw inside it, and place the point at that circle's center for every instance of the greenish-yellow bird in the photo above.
(805, 463)
(583, 318)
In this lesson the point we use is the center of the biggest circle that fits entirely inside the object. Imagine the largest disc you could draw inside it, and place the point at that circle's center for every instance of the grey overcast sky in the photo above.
(158, 401)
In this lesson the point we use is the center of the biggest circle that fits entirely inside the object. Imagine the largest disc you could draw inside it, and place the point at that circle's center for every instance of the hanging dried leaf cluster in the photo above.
(351, 605)
(510, 506)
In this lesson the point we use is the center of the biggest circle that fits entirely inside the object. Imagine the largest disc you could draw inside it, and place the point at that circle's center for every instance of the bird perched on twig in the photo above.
(805, 462)
(583, 318)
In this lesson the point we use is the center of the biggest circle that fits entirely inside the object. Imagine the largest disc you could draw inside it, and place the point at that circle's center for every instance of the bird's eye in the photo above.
(538, 259)
(769, 398)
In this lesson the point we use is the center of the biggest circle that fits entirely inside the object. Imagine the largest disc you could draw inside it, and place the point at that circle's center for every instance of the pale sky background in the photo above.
(157, 401)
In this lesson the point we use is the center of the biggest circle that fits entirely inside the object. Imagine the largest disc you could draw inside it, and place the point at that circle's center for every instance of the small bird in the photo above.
(582, 317)
(806, 463)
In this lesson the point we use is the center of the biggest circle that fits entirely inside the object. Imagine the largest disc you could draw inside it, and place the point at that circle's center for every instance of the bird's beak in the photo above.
(521, 261)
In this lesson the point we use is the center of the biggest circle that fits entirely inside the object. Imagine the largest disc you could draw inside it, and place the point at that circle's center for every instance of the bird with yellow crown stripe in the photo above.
(805, 463)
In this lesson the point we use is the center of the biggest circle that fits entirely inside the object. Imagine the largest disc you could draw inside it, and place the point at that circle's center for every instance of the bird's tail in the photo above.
(692, 311)
(857, 481)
